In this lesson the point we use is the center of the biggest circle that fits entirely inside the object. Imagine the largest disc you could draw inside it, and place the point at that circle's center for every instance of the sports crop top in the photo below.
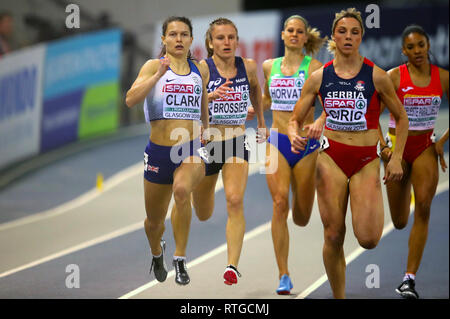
(421, 103)
(230, 110)
(285, 90)
(175, 96)
(350, 104)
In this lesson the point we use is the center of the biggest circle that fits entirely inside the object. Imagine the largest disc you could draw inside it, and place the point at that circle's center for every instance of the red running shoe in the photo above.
(230, 275)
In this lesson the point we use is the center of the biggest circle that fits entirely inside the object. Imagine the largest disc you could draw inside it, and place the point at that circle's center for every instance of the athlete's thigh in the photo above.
(203, 196)
(332, 192)
(279, 178)
(189, 173)
(366, 201)
(157, 199)
(304, 180)
(425, 175)
(399, 196)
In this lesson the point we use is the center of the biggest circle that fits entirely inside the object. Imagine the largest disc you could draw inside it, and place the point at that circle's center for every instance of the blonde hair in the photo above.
(208, 36)
(314, 42)
(349, 13)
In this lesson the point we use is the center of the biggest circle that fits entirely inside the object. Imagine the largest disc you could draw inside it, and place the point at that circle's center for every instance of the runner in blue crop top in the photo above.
(232, 87)
(335, 187)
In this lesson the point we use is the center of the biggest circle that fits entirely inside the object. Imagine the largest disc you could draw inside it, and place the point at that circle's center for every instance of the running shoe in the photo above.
(181, 275)
(406, 289)
(285, 285)
(159, 265)
(230, 275)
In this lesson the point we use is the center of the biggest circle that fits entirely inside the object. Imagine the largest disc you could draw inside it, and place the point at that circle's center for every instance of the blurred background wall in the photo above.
(59, 85)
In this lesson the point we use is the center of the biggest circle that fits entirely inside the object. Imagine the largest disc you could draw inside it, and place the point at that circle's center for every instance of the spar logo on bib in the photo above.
(283, 83)
(231, 97)
(179, 88)
(411, 100)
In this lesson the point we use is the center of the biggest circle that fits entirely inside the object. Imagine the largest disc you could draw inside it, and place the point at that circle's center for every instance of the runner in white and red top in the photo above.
(420, 86)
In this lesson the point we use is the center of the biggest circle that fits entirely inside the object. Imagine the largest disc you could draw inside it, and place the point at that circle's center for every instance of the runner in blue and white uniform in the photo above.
(175, 102)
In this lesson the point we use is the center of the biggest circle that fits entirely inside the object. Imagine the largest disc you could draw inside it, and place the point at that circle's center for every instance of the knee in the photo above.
(181, 194)
(281, 205)
(235, 202)
(422, 210)
(368, 243)
(334, 238)
(301, 217)
(400, 224)
(152, 225)
(203, 214)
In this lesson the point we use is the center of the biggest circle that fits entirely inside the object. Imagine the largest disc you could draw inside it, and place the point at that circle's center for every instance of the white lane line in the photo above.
(254, 168)
(95, 241)
(442, 187)
(222, 248)
(109, 184)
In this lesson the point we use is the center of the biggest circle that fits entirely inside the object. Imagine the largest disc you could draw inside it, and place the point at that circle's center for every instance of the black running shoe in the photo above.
(181, 275)
(159, 265)
(406, 290)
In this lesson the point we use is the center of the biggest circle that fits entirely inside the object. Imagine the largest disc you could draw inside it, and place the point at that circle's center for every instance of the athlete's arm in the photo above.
(204, 117)
(221, 91)
(439, 145)
(266, 99)
(309, 92)
(385, 89)
(255, 93)
(149, 74)
(385, 151)
(315, 129)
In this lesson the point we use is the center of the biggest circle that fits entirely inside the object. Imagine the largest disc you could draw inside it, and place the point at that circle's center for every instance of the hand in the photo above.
(222, 91)
(386, 154)
(205, 135)
(440, 152)
(394, 171)
(314, 130)
(164, 64)
(298, 143)
(262, 134)
(250, 113)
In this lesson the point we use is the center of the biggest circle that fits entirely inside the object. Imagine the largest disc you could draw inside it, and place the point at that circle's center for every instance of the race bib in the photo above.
(230, 110)
(285, 92)
(182, 101)
(346, 114)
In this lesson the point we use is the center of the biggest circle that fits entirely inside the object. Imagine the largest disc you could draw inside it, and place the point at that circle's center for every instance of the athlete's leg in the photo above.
(186, 178)
(303, 189)
(278, 183)
(399, 197)
(157, 198)
(234, 177)
(332, 197)
(366, 202)
(203, 197)
(424, 177)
